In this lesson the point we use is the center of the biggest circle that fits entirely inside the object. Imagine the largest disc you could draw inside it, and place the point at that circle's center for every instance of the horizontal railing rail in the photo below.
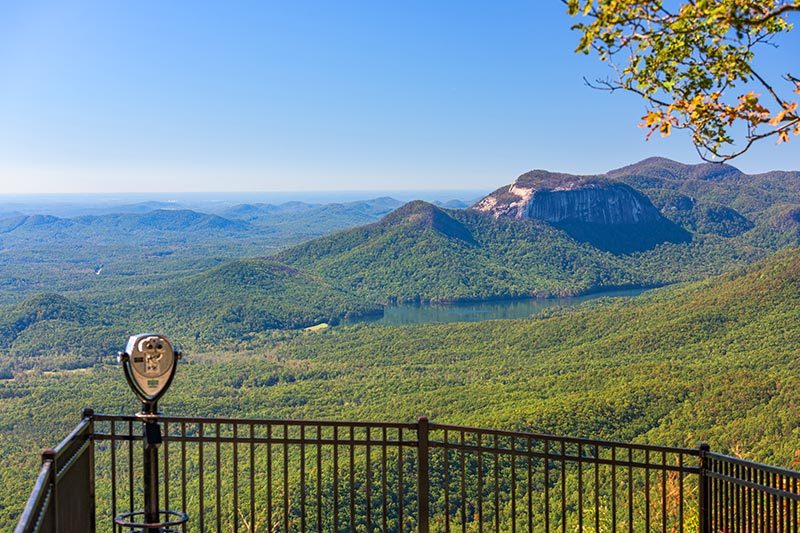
(235, 474)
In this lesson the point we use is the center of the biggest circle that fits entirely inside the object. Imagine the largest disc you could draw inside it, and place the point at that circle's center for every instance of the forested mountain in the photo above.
(423, 253)
(720, 199)
(710, 361)
(545, 235)
(550, 233)
(705, 198)
(229, 303)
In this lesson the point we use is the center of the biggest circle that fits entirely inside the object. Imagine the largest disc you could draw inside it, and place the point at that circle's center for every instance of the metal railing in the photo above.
(63, 498)
(232, 474)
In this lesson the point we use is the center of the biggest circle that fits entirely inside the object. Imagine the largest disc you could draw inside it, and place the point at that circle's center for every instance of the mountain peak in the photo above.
(421, 215)
(606, 213)
(663, 168)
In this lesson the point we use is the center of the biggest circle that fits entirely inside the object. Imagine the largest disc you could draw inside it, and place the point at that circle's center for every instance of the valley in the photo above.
(707, 361)
(498, 315)
(251, 271)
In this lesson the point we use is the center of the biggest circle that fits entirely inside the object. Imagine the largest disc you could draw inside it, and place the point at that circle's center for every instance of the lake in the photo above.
(407, 314)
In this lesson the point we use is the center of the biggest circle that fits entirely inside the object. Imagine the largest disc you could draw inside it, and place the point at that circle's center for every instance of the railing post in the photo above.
(89, 414)
(704, 493)
(423, 481)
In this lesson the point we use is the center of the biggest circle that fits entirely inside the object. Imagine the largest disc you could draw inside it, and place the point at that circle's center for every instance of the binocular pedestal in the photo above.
(151, 519)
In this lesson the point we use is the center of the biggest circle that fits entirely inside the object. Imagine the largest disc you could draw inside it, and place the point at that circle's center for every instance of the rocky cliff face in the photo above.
(553, 197)
(608, 214)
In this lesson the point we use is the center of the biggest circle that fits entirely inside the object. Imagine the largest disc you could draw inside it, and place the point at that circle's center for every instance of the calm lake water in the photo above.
(475, 312)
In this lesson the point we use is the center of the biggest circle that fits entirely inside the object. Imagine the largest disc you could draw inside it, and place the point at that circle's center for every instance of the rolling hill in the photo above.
(712, 361)
(229, 303)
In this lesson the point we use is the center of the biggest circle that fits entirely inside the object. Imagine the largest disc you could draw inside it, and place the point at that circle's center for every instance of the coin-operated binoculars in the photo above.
(149, 362)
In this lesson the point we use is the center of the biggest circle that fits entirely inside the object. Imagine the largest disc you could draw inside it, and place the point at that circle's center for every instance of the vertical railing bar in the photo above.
(681, 479)
(613, 489)
(269, 479)
(335, 478)
(664, 492)
(513, 484)
(92, 430)
(767, 503)
(201, 466)
(794, 507)
(286, 510)
(711, 495)
(218, 477)
(252, 480)
(773, 483)
(166, 465)
(183, 467)
(400, 502)
(368, 473)
(235, 476)
(130, 466)
(319, 479)
(647, 490)
(480, 484)
(783, 503)
(779, 481)
(580, 486)
(597, 488)
(423, 473)
(546, 485)
(751, 526)
(781, 514)
(739, 491)
(446, 458)
(717, 488)
(760, 500)
(745, 526)
(743, 499)
(630, 490)
(302, 478)
(723, 492)
(729, 496)
(352, 480)
(563, 488)
(463, 486)
(384, 481)
(529, 486)
(496, 486)
(113, 470)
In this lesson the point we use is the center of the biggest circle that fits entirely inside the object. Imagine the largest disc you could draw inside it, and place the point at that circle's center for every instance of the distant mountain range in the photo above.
(557, 234)
(294, 221)
(546, 234)
(706, 199)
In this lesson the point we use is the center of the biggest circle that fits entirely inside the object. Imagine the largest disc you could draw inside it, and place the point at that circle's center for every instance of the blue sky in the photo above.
(146, 95)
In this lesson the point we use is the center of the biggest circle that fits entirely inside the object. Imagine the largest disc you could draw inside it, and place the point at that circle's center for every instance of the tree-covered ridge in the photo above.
(166, 275)
(692, 194)
(422, 252)
(709, 361)
(238, 299)
(230, 303)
